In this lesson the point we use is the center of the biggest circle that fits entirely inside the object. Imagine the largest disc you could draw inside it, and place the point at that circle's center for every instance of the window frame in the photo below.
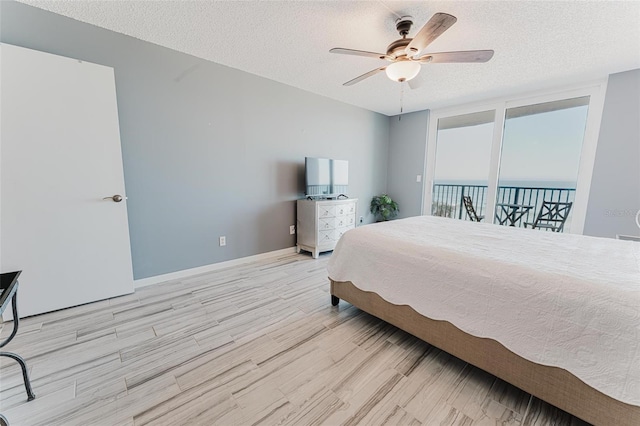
(595, 90)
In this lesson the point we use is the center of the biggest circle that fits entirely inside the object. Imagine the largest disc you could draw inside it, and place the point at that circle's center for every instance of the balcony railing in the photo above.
(447, 200)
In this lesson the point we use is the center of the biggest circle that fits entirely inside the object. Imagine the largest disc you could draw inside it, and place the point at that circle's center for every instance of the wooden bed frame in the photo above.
(551, 384)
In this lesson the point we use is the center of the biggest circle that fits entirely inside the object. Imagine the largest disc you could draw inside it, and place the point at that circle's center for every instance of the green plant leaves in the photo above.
(383, 207)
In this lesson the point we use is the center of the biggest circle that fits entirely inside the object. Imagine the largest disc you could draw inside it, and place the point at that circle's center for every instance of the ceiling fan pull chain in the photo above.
(401, 100)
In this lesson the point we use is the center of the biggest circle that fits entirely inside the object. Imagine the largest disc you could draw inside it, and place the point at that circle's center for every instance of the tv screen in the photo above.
(326, 178)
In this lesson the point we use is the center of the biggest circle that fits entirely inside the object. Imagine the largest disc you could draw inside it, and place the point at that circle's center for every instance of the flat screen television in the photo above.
(326, 178)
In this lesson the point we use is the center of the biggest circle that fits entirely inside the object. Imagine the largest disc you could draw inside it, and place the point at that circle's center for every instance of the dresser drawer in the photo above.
(335, 222)
(340, 231)
(326, 237)
(342, 209)
(341, 221)
(326, 211)
(350, 209)
(327, 223)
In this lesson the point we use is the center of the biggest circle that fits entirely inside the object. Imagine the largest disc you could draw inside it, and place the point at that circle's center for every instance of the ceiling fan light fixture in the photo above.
(404, 53)
(403, 70)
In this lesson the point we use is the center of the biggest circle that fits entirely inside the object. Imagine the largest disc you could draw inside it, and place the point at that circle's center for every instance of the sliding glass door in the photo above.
(513, 161)
(463, 153)
(541, 147)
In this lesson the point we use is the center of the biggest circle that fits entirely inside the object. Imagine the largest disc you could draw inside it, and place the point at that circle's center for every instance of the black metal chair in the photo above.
(9, 293)
(468, 204)
(552, 215)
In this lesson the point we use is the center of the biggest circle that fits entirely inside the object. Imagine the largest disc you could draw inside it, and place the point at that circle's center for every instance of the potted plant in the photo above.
(383, 207)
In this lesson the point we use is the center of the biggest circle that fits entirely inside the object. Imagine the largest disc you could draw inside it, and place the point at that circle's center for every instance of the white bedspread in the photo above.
(562, 300)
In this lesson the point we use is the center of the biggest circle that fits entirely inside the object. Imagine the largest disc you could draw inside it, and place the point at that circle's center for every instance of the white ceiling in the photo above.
(538, 44)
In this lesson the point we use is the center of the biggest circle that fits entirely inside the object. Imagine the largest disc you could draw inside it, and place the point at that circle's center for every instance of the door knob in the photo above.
(115, 198)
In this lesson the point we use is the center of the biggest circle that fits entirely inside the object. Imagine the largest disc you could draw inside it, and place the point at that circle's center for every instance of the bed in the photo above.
(556, 315)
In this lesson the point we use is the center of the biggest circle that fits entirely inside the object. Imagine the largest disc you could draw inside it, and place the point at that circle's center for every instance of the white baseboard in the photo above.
(208, 268)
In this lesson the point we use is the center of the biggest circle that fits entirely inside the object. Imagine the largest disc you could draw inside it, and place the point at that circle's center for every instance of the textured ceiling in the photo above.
(537, 44)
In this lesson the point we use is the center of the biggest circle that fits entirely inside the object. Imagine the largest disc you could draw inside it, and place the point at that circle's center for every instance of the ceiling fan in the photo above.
(404, 52)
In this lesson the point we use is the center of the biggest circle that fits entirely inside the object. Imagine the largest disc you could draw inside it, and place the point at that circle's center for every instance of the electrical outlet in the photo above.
(223, 241)
(361, 219)
(419, 178)
(292, 229)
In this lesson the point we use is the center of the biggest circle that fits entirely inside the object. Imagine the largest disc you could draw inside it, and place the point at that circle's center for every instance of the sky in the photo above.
(538, 147)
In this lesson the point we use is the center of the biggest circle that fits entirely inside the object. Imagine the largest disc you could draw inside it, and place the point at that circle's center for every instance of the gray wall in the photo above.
(614, 198)
(407, 144)
(209, 150)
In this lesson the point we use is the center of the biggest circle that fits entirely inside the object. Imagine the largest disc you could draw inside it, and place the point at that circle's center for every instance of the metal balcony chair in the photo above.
(552, 215)
(468, 204)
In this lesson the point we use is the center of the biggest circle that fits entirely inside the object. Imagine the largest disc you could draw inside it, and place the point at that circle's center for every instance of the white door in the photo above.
(59, 156)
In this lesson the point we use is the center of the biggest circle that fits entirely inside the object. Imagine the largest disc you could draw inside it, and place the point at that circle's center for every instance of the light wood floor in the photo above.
(255, 344)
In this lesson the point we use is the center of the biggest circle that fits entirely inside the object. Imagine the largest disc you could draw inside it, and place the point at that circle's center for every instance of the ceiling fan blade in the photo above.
(439, 23)
(363, 76)
(460, 56)
(354, 52)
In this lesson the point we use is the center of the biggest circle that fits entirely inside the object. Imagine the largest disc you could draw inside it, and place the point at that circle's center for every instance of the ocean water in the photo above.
(539, 183)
